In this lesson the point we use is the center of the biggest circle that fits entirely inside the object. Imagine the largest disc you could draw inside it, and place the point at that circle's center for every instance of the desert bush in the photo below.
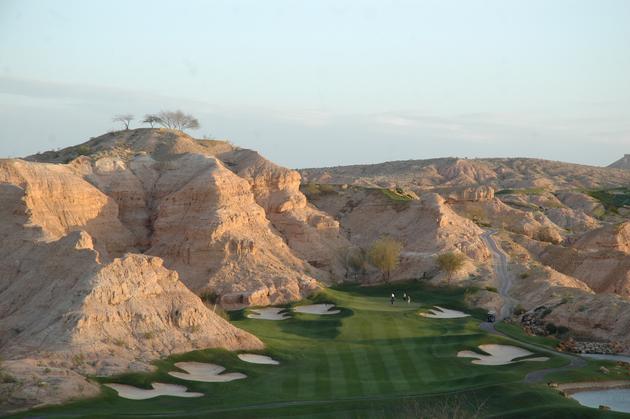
(78, 360)
(519, 310)
(311, 189)
(451, 262)
(450, 407)
(551, 328)
(209, 297)
(83, 150)
(385, 255)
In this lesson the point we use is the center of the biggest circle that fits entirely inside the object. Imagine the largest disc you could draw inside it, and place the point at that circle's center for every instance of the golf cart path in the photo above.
(500, 265)
(503, 275)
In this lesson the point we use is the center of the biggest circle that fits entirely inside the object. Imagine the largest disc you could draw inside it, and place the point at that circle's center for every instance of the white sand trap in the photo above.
(258, 359)
(438, 312)
(207, 373)
(317, 309)
(269, 313)
(159, 389)
(499, 355)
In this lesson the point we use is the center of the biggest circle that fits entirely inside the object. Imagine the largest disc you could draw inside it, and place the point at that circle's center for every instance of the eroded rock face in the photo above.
(600, 258)
(210, 229)
(58, 202)
(499, 215)
(425, 227)
(312, 234)
(480, 193)
(70, 311)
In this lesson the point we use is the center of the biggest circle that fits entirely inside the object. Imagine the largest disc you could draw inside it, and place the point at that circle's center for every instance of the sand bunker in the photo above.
(258, 359)
(159, 389)
(317, 309)
(438, 312)
(208, 373)
(270, 313)
(499, 355)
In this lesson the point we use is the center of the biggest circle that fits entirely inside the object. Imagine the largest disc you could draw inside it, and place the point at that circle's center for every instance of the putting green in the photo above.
(373, 359)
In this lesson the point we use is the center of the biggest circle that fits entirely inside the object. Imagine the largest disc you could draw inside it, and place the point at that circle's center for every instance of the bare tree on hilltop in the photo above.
(177, 120)
(151, 119)
(124, 118)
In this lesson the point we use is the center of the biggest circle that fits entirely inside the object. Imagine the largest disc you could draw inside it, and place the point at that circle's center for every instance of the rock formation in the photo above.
(622, 163)
(600, 258)
(425, 226)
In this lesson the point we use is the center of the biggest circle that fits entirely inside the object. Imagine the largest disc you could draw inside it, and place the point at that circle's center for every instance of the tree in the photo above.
(385, 255)
(353, 260)
(177, 120)
(151, 119)
(451, 262)
(124, 118)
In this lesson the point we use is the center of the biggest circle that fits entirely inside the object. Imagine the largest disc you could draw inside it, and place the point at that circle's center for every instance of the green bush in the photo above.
(492, 289)
(551, 328)
(83, 150)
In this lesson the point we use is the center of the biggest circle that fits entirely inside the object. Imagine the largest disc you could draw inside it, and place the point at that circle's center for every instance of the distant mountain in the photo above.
(622, 163)
(499, 173)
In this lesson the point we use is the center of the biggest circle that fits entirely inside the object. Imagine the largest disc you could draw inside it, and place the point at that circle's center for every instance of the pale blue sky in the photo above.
(313, 83)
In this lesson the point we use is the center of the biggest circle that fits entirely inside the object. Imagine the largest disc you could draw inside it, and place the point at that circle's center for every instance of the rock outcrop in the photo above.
(425, 226)
(311, 233)
(600, 258)
(622, 163)
(68, 307)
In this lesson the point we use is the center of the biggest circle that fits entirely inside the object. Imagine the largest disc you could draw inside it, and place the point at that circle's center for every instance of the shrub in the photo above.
(551, 328)
(83, 150)
(385, 255)
(492, 289)
(450, 262)
(209, 297)
(562, 330)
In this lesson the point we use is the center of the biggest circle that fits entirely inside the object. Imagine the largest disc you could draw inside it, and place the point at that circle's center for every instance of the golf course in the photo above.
(372, 359)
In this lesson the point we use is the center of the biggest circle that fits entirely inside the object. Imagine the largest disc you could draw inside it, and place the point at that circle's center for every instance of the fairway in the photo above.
(373, 359)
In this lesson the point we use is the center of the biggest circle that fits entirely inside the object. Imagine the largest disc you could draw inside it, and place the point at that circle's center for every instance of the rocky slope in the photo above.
(425, 227)
(107, 247)
(71, 305)
(600, 258)
(508, 173)
(622, 163)
(564, 226)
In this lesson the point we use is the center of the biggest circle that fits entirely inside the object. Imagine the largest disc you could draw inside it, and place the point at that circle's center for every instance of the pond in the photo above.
(616, 399)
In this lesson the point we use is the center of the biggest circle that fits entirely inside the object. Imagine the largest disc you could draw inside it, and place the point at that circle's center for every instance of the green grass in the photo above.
(372, 360)
(397, 196)
(611, 199)
(517, 333)
(527, 191)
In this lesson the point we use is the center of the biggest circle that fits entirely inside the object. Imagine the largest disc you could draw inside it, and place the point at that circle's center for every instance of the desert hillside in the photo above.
(501, 174)
(564, 229)
(125, 249)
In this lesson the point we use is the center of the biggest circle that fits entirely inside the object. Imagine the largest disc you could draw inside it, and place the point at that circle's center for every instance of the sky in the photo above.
(324, 83)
